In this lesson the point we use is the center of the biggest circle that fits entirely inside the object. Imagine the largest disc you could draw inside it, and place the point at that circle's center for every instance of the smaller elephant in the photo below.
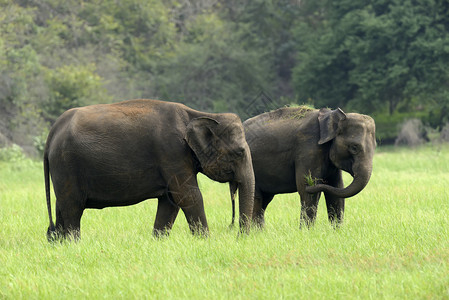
(123, 153)
(298, 149)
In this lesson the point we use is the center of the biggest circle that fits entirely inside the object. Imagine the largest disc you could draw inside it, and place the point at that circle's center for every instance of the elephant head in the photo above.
(353, 142)
(224, 156)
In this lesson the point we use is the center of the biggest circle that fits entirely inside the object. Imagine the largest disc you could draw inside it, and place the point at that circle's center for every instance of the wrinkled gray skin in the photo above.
(289, 144)
(121, 154)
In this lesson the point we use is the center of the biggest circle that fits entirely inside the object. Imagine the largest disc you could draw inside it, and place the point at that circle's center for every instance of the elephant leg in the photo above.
(69, 210)
(335, 209)
(266, 200)
(258, 213)
(165, 215)
(196, 218)
(186, 194)
(335, 205)
(261, 201)
(309, 206)
(309, 202)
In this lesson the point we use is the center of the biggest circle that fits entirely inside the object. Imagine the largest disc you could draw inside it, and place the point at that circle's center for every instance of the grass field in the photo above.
(394, 243)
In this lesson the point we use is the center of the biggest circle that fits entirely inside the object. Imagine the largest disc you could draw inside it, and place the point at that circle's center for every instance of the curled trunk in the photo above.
(361, 178)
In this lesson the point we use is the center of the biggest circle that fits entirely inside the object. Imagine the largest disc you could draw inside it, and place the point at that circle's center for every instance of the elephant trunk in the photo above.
(361, 178)
(245, 184)
(233, 186)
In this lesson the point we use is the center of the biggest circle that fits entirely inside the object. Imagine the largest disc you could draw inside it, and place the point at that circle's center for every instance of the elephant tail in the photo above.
(233, 189)
(51, 228)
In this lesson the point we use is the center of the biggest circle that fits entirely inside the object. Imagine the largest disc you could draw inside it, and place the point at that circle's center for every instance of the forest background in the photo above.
(386, 58)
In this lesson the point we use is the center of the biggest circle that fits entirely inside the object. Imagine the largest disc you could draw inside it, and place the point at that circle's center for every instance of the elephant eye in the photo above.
(240, 152)
(353, 149)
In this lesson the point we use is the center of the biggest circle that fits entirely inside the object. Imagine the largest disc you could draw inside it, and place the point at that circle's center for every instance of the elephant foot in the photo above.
(199, 231)
(53, 235)
(59, 236)
(259, 223)
(306, 223)
(161, 233)
(336, 224)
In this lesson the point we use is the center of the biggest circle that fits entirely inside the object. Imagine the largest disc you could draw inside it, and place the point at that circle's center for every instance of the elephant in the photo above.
(304, 150)
(120, 154)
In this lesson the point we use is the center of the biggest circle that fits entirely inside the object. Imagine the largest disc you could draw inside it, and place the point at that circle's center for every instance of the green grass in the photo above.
(394, 243)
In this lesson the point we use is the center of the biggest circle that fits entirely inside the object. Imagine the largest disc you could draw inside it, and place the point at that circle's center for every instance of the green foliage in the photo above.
(209, 69)
(310, 181)
(370, 56)
(72, 86)
(39, 142)
(374, 57)
(393, 243)
(12, 154)
(387, 126)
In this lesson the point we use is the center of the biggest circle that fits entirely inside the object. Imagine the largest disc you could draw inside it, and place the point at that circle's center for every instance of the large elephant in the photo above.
(304, 150)
(121, 154)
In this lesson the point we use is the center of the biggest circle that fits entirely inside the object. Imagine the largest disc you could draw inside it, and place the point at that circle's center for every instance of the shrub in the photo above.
(13, 153)
(3, 140)
(412, 133)
(388, 126)
(72, 86)
(39, 142)
(444, 134)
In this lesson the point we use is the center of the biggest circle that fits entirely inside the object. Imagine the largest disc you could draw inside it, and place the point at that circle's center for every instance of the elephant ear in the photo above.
(328, 120)
(201, 137)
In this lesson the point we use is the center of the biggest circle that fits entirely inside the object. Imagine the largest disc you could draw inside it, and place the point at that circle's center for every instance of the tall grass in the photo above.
(394, 243)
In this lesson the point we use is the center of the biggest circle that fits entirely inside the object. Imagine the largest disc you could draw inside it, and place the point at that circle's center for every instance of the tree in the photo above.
(72, 86)
(266, 27)
(210, 69)
(374, 54)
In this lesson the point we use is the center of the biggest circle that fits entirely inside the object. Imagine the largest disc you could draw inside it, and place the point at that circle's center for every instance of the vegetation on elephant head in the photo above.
(292, 112)
(297, 112)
